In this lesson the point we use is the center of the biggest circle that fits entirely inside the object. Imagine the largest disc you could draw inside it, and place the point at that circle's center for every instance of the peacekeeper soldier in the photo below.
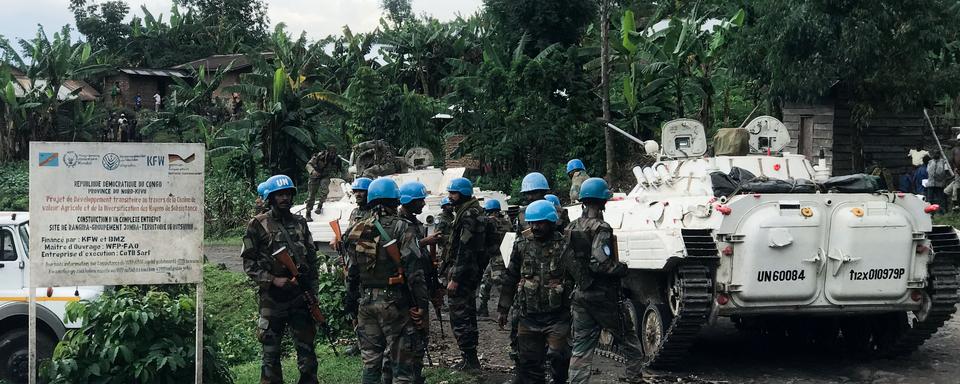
(321, 167)
(578, 174)
(385, 287)
(493, 274)
(466, 251)
(281, 301)
(358, 214)
(534, 187)
(361, 212)
(444, 225)
(538, 279)
(564, 217)
(412, 201)
(596, 297)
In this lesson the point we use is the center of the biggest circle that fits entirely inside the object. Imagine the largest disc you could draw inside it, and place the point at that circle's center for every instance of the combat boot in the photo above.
(319, 209)
(309, 218)
(470, 363)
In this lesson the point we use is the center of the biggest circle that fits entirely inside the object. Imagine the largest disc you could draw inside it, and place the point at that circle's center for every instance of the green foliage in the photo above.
(229, 203)
(127, 337)
(545, 21)
(231, 297)
(883, 54)
(15, 188)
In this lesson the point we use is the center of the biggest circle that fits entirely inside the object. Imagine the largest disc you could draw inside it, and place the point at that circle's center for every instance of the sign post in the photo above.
(116, 214)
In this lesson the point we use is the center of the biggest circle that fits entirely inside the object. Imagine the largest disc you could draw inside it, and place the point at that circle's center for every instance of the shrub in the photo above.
(229, 205)
(15, 189)
(128, 337)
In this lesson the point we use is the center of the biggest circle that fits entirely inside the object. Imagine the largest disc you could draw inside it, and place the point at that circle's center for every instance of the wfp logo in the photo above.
(111, 161)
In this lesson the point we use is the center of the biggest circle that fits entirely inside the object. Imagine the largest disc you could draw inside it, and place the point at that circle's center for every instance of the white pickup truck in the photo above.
(51, 302)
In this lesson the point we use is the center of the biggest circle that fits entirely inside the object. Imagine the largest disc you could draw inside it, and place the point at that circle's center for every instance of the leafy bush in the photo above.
(15, 188)
(229, 204)
(128, 337)
(232, 296)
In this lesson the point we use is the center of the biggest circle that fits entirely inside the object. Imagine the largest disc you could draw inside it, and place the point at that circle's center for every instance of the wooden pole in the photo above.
(198, 374)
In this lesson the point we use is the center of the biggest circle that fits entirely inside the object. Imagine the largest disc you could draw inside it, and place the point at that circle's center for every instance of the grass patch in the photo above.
(952, 219)
(224, 241)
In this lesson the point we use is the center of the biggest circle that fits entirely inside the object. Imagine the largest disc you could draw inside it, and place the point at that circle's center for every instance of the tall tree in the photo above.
(398, 11)
(545, 21)
(605, 84)
(246, 19)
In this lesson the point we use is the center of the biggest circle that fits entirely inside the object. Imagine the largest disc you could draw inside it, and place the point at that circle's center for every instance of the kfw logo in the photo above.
(155, 161)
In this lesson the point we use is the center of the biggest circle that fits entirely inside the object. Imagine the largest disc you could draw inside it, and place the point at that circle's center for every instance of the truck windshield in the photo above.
(25, 239)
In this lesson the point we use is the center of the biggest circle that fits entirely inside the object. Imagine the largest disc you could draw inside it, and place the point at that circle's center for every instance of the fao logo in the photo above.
(111, 161)
(71, 159)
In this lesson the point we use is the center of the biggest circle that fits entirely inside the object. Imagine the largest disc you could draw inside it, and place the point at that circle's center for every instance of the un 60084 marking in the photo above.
(878, 274)
(784, 275)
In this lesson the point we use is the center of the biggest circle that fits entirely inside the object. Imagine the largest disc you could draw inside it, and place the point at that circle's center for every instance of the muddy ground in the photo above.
(722, 354)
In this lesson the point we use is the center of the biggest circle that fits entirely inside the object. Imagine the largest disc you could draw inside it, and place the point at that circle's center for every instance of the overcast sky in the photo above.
(319, 18)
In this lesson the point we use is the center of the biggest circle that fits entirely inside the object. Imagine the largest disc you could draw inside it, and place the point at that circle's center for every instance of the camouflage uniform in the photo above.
(465, 250)
(596, 298)
(493, 274)
(282, 307)
(321, 167)
(432, 282)
(576, 180)
(444, 225)
(359, 214)
(538, 270)
(384, 326)
(375, 158)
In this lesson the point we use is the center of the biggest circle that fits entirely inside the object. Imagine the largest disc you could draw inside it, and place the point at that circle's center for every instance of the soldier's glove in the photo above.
(416, 315)
(502, 320)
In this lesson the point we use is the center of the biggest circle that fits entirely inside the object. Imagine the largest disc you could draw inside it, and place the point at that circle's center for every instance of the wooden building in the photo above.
(886, 139)
(139, 81)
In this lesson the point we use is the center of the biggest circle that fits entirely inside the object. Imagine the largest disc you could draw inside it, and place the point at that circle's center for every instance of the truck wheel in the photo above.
(653, 328)
(14, 352)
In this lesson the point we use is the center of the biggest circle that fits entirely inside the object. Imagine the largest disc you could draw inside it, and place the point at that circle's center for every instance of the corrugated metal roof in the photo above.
(216, 62)
(154, 72)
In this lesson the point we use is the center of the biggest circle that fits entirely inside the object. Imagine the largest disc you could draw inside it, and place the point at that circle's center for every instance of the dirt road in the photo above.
(722, 354)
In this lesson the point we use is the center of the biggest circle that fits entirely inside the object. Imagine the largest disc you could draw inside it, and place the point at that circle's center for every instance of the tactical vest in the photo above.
(543, 287)
(581, 233)
(297, 250)
(375, 264)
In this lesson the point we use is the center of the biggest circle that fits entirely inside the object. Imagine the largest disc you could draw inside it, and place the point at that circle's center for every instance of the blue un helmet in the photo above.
(540, 210)
(383, 188)
(575, 165)
(491, 205)
(278, 183)
(595, 188)
(412, 191)
(260, 188)
(534, 181)
(553, 199)
(361, 184)
(461, 185)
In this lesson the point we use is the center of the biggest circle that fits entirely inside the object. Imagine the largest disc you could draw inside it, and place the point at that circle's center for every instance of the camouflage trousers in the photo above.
(275, 318)
(387, 336)
(463, 316)
(492, 278)
(588, 321)
(542, 338)
(318, 188)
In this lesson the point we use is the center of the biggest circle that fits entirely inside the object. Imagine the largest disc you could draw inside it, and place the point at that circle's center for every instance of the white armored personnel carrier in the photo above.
(774, 243)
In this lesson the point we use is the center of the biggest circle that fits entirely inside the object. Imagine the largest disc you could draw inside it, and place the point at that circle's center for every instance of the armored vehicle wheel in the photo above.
(653, 328)
(13, 353)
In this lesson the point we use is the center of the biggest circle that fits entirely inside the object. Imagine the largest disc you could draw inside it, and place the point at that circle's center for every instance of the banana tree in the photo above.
(186, 107)
(287, 98)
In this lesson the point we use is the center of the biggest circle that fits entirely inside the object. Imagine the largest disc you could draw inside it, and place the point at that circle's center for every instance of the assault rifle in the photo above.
(338, 243)
(436, 305)
(283, 256)
(393, 250)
